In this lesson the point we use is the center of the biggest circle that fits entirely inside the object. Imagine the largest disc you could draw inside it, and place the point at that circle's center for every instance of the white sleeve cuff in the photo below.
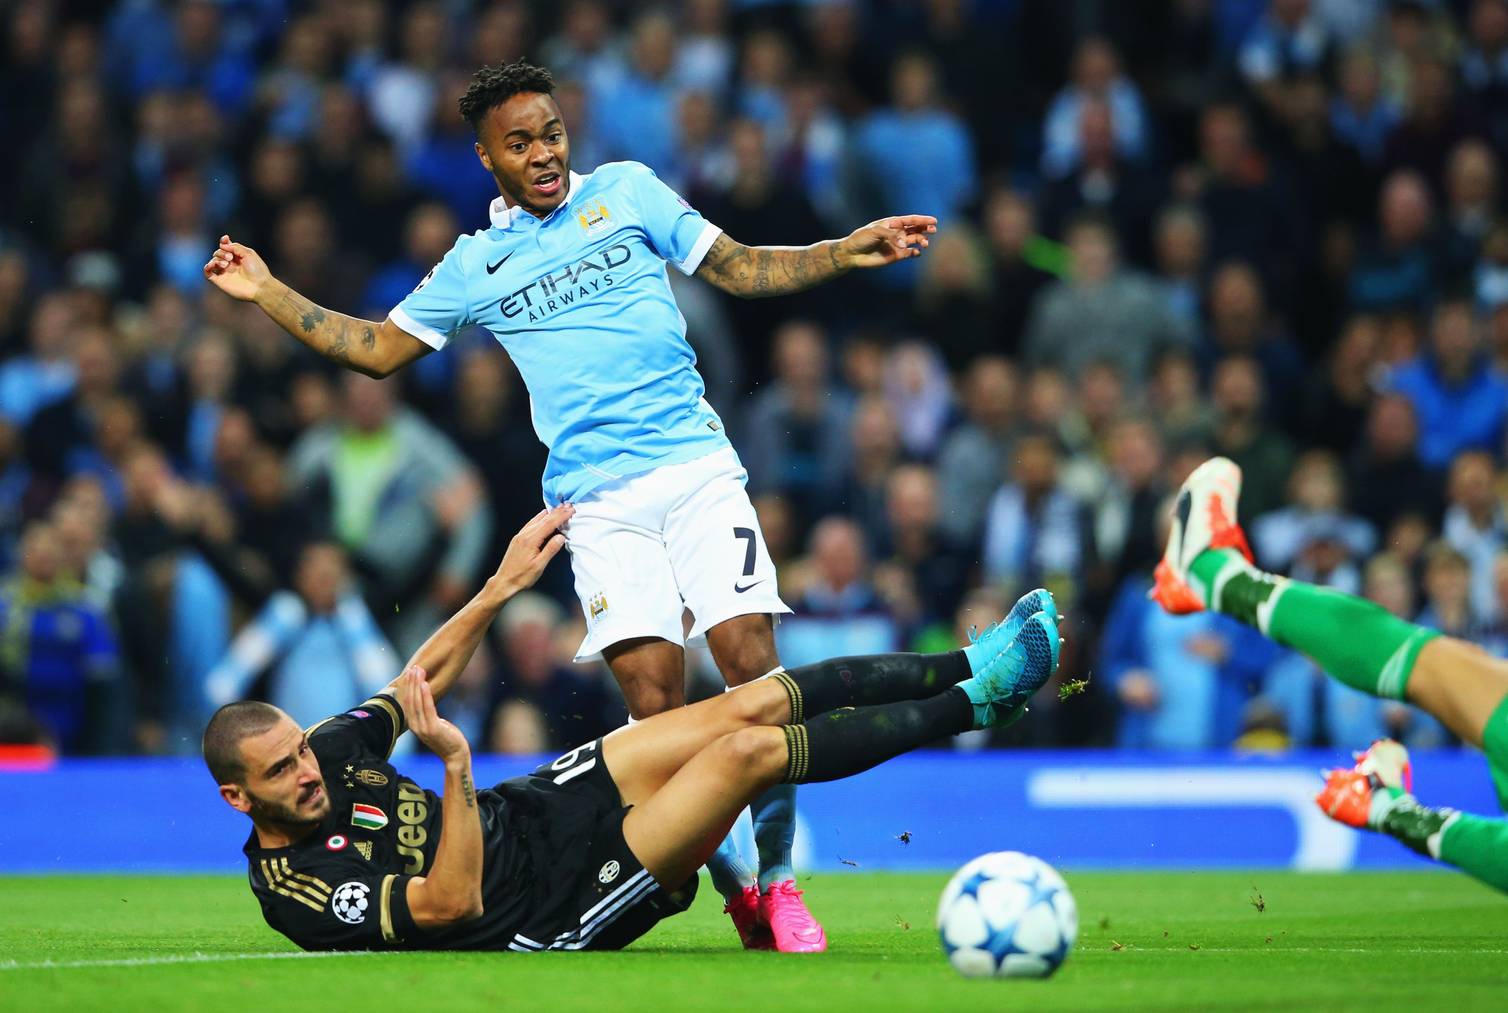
(431, 337)
(699, 249)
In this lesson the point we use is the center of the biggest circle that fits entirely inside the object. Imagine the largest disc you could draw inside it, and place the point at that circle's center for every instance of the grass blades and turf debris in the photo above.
(1421, 940)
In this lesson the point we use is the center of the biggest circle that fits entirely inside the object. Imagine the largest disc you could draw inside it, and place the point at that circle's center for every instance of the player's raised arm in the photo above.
(376, 349)
(756, 271)
(447, 651)
(452, 892)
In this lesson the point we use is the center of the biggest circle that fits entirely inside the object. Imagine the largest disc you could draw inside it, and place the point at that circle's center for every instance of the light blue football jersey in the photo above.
(581, 301)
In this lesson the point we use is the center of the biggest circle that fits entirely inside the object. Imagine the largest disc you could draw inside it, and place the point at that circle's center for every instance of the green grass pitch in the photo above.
(1158, 941)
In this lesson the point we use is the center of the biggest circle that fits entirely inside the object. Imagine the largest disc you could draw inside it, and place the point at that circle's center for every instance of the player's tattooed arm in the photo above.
(366, 346)
(756, 271)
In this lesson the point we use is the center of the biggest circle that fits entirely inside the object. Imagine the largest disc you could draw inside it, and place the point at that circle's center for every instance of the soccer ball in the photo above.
(1007, 915)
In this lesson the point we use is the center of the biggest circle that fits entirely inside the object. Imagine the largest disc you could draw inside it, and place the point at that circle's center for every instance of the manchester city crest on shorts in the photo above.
(597, 606)
(594, 218)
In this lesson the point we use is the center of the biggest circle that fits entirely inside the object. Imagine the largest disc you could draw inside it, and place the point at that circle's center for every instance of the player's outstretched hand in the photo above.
(443, 738)
(888, 240)
(533, 547)
(237, 270)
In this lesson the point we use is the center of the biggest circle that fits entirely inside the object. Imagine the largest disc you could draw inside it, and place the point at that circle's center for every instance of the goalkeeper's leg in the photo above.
(1365, 646)
(1374, 797)
(1207, 566)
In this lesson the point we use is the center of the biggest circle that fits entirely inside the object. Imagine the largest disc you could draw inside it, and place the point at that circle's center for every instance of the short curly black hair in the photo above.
(493, 85)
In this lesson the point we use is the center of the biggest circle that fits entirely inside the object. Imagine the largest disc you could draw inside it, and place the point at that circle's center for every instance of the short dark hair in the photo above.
(495, 84)
(222, 736)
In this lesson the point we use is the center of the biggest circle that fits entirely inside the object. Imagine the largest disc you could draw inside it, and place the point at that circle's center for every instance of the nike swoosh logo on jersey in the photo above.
(492, 268)
(741, 590)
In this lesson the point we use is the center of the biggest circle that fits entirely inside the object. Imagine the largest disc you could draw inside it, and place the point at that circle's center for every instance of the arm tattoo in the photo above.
(768, 270)
(468, 791)
(327, 332)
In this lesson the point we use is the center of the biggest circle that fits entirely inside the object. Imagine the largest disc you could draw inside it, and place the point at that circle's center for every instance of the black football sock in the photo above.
(869, 680)
(849, 740)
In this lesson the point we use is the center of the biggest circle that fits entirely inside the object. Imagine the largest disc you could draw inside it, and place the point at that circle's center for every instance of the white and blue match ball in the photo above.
(1007, 915)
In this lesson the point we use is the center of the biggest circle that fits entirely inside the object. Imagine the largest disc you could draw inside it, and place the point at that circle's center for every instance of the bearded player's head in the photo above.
(520, 136)
(262, 761)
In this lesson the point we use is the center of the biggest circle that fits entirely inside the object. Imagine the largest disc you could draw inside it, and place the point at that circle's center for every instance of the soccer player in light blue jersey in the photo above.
(570, 278)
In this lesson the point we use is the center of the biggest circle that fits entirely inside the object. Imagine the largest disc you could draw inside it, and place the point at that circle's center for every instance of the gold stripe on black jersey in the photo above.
(282, 880)
(274, 884)
(315, 884)
(392, 711)
(385, 905)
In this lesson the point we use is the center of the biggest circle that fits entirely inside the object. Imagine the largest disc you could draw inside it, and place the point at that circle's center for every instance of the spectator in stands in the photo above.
(376, 475)
(58, 656)
(403, 92)
(1034, 530)
(916, 120)
(1175, 400)
(572, 700)
(1476, 525)
(1402, 267)
(1460, 402)
(1387, 478)
(313, 647)
(1315, 515)
(953, 298)
(919, 396)
(1339, 397)
(1242, 433)
(796, 437)
(1100, 311)
(1472, 199)
(1179, 246)
(923, 560)
(64, 432)
(1104, 182)
(642, 124)
(839, 612)
(1484, 65)
(874, 454)
(1249, 213)
(1125, 517)
(1241, 324)
(31, 382)
(1096, 79)
(1022, 262)
(1179, 682)
(973, 456)
(1361, 115)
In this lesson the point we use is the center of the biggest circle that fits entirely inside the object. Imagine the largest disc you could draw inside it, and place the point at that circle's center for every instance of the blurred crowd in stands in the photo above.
(1271, 229)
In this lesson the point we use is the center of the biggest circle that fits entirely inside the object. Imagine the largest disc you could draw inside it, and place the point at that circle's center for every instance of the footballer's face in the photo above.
(523, 143)
(283, 785)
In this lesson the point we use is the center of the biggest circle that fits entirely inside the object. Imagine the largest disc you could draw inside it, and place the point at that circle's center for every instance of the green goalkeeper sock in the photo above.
(1476, 845)
(1360, 643)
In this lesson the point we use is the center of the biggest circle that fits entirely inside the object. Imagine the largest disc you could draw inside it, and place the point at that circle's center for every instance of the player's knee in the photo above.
(647, 697)
(756, 754)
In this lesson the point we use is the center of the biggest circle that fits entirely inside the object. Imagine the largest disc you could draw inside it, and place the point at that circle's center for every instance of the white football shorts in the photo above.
(670, 553)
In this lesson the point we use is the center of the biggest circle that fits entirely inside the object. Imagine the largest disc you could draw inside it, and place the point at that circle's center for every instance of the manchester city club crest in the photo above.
(594, 217)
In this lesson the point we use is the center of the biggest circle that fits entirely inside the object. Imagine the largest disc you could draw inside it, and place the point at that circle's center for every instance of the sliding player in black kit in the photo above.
(588, 852)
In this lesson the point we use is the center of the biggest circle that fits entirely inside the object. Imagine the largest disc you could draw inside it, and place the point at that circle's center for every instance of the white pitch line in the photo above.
(191, 958)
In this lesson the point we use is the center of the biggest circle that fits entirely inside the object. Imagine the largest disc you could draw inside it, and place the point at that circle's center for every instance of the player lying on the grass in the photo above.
(590, 851)
(1208, 565)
